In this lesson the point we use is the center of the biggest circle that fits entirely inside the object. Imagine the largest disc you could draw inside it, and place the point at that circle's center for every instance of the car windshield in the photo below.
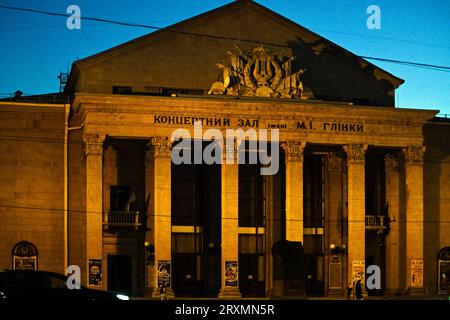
(55, 283)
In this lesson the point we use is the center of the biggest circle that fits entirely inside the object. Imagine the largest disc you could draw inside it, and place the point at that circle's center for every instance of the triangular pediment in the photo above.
(185, 56)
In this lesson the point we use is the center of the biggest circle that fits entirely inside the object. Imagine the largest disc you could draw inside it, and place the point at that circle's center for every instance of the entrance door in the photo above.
(251, 275)
(314, 275)
(184, 274)
(119, 273)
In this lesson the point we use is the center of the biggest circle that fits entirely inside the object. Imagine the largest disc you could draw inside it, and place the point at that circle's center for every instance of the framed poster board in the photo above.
(358, 272)
(416, 273)
(231, 274)
(164, 273)
(95, 273)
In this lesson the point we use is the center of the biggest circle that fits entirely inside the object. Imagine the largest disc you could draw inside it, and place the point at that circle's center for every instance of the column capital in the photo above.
(414, 154)
(392, 162)
(162, 147)
(93, 144)
(355, 152)
(230, 151)
(293, 150)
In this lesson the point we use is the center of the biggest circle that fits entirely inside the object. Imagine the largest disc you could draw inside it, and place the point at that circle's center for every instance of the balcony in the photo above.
(376, 223)
(122, 219)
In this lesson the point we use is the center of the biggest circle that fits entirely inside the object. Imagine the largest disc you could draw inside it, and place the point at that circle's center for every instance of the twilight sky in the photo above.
(36, 47)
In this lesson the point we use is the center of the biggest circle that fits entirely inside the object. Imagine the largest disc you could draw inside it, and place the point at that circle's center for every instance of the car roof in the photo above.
(34, 272)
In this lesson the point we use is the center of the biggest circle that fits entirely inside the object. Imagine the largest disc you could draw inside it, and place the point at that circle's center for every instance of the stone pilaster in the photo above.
(229, 220)
(356, 205)
(294, 190)
(158, 162)
(93, 153)
(414, 217)
(393, 240)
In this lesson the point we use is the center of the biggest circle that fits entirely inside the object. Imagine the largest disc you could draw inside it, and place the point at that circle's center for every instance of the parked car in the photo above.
(43, 285)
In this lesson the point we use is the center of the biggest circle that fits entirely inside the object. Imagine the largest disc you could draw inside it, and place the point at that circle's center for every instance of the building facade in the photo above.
(358, 182)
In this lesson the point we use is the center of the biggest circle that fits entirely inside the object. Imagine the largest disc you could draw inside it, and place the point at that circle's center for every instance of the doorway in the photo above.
(119, 273)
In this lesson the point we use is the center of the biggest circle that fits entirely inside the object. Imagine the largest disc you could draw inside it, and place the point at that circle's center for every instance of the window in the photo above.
(251, 196)
(191, 192)
(313, 192)
(55, 283)
(119, 198)
(122, 90)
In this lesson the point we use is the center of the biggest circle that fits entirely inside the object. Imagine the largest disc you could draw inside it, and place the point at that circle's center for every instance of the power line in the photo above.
(139, 25)
(402, 221)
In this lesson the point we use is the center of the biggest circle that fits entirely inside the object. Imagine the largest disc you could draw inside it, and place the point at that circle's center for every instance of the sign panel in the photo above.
(95, 272)
(416, 273)
(231, 274)
(25, 263)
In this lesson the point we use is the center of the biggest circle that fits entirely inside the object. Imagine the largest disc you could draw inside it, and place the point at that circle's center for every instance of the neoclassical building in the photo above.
(92, 182)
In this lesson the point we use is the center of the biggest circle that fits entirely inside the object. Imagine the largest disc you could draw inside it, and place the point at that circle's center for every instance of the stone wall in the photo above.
(32, 176)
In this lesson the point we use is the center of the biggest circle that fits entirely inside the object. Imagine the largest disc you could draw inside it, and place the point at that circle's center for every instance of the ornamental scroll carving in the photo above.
(356, 152)
(293, 150)
(230, 151)
(414, 155)
(162, 147)
(93, 144)
(260, 73)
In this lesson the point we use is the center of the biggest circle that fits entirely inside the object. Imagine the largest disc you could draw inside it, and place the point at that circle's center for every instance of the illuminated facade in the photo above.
(359, 182)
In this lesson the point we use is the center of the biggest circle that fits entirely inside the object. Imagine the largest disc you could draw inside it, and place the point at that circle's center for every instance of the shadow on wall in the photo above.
(335, 76)
(438, 150)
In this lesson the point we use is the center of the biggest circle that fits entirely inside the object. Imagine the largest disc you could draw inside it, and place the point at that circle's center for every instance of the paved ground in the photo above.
(434, 297)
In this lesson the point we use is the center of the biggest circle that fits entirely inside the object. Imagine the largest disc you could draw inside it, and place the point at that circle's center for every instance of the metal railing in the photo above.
(122, 219)
(375, 222)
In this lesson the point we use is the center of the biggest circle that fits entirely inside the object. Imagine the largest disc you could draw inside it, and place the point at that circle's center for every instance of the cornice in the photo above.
(271, 108)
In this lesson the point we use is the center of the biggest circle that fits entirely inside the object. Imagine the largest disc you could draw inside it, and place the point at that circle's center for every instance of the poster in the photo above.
(95, 272)
(164, 273)
(231, 273)
(358, 272)
(444, 277)
(416, 273)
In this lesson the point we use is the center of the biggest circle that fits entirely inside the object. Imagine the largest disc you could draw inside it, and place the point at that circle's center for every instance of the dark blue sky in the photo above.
(35, 47)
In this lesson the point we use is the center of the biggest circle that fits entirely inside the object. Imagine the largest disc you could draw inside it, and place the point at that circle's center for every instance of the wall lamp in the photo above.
(337, 249)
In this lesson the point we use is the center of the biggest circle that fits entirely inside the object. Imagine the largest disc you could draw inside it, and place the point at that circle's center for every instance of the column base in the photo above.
(229, 293)
(157, 295)
(392, 293)
(415, 291)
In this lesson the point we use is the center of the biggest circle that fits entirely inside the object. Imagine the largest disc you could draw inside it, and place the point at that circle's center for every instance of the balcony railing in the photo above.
(375, 222)
(122, 219)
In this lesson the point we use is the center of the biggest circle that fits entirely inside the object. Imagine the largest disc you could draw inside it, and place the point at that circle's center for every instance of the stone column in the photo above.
(93, 151)
(294, 190)
(393, 240)
(150, 269)
(356, 206)
(229, 220)
(414, 218)
(160, 198)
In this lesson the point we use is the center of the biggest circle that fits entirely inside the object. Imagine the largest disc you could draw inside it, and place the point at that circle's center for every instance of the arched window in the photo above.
(444, 271)
(25, 256)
